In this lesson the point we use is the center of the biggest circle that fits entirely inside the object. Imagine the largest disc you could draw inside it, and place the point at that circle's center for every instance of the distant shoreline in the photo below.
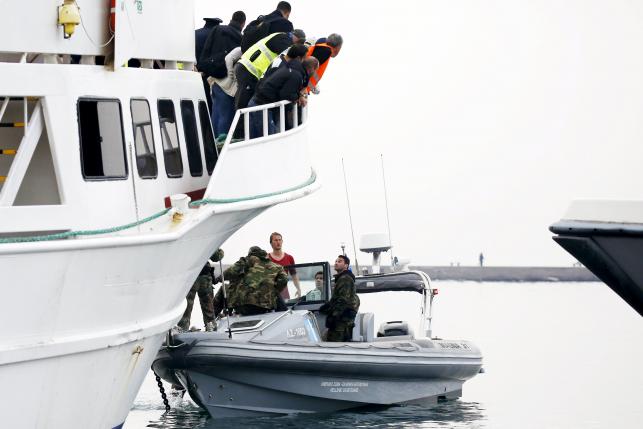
(508, 274)
(500, 274)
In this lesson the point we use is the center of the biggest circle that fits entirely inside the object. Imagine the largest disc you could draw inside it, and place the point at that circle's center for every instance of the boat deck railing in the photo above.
(243, 132)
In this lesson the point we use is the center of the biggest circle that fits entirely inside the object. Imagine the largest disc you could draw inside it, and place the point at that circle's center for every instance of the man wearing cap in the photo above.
(343, 306)
(255, 285)
(217, 63)
(200, 36)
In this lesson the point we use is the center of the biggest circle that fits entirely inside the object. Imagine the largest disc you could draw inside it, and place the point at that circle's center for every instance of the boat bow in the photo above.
(264, 170)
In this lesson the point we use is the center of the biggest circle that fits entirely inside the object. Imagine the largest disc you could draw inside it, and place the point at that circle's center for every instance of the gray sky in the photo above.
(491, 117)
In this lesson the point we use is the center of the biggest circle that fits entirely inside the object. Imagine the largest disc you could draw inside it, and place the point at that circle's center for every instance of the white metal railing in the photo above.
(264, 108)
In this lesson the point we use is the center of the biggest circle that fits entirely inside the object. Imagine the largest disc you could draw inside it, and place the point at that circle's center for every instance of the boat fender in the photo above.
(68, 17)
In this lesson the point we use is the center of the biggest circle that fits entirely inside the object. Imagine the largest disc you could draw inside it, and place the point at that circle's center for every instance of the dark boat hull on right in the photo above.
(612, 250)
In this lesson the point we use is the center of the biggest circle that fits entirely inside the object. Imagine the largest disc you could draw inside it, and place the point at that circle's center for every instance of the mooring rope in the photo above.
(70, 234)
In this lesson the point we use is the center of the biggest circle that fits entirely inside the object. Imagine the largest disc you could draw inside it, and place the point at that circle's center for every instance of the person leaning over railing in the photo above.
(287, 83)
(255, 61)
(294, 52)
(323, 51)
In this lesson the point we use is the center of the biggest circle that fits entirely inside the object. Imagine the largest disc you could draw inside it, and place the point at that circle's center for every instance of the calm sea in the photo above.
(556, 355)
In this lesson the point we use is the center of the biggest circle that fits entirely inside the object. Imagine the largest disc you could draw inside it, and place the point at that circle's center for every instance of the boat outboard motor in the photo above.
(394, 329)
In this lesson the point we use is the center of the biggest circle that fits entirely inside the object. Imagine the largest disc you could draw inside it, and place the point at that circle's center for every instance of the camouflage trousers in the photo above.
(340, 332)
(202, 285)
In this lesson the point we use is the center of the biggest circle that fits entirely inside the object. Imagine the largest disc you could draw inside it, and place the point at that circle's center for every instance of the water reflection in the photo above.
(451, 414)
(189, 416)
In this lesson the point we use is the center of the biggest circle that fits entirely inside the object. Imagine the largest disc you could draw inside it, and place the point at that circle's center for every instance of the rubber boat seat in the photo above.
(364, 330)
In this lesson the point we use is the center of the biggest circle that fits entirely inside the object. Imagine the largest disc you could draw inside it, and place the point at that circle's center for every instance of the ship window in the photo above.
(191, 138)
(170, 138)
(209, 147)
(143, 139)
(102, 145)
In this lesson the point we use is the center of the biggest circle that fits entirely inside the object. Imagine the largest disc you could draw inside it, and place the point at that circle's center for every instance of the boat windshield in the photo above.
(313, 279)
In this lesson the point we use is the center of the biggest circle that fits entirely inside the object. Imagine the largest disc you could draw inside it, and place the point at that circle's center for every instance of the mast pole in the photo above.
(350, 218)
(388, 224)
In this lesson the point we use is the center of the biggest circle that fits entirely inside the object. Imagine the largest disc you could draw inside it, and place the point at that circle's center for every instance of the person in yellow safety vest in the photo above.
(323, 51)
(254, 62)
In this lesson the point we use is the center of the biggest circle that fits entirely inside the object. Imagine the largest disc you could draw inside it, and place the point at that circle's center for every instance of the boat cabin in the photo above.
(316, 284)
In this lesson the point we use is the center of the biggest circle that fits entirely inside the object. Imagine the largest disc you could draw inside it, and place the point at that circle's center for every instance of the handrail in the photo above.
(246, 111)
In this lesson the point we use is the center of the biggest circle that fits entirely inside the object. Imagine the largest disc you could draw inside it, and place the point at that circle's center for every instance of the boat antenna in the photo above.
(350, 218)
(388, 224)
(225, 298)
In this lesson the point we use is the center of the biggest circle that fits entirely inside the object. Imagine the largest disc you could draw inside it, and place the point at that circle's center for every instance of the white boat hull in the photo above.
(101, 330)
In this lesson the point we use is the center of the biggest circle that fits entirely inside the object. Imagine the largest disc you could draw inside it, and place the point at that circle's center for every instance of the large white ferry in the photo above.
(98, 244)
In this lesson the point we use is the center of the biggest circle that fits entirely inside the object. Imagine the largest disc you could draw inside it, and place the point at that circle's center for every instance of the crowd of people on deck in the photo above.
(263, 62)
(257, 284)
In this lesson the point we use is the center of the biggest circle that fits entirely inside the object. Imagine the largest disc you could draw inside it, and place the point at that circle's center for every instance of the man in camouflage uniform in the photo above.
(234, 275)
(255, 285)
(343, 306)
(202, 286)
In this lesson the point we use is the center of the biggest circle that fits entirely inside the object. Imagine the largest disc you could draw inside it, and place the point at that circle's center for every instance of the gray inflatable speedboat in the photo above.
(277, 363)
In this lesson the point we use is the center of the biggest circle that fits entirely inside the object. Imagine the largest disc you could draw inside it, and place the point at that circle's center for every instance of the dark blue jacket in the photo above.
(201, 35)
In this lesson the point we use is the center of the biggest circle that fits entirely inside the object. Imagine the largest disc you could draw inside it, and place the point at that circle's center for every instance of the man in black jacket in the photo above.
(275, 22)
(343, 306)
(286, 83)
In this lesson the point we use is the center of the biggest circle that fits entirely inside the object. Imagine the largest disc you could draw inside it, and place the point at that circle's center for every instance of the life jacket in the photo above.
(257, 59)
(316, 77)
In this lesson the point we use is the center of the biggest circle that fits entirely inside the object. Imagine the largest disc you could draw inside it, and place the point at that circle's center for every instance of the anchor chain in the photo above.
(162, 390)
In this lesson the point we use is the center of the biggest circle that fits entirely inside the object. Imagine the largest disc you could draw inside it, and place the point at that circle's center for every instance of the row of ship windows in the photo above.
(102, 141)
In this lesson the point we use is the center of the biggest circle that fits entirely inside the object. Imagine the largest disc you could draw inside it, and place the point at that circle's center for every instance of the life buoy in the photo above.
(112, 16)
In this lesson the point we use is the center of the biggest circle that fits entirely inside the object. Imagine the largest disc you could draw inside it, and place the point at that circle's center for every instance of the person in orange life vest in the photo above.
(278, 256)
(323, 51)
